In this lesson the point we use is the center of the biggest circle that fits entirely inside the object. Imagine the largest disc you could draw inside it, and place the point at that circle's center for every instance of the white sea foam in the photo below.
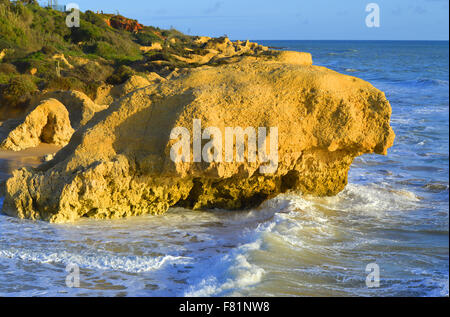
(306, 242)
(229, 273)
(132, 264)
(302, 225)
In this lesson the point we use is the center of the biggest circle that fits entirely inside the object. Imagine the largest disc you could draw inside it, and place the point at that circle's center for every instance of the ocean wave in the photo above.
(292, 244)
(230, 273)
(302, 226)
(432, 82)
(310, 241)
(365, 199)
(418, 82)
(343, 52)
(131, 264)
(302, 229)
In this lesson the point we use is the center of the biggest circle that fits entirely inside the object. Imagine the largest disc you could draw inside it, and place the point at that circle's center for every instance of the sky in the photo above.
(287, 19)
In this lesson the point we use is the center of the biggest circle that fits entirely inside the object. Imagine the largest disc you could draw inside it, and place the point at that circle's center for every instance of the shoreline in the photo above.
(32, 157)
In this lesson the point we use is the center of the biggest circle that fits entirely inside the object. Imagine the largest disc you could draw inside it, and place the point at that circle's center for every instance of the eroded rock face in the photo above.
(154, 47)
(222, 50)
(48, 123)
(107, 94)
(53, 119)
(121, 23)
(80, 107)
(119, 163)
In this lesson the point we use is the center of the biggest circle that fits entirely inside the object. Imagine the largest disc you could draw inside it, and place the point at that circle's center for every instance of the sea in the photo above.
(386, 234)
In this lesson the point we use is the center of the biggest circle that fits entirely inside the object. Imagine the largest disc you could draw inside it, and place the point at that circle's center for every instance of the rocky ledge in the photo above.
(119, 163)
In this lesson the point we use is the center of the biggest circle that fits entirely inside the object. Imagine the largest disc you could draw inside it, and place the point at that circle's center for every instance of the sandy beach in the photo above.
(10, 160)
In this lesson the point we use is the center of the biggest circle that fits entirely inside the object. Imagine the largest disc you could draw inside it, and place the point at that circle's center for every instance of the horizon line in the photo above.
(342, 40)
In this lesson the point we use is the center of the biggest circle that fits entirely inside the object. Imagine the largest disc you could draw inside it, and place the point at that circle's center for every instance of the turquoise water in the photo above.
(394, 213)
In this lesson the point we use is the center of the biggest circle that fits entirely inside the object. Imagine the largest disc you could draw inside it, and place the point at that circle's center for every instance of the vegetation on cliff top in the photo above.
(38, 51)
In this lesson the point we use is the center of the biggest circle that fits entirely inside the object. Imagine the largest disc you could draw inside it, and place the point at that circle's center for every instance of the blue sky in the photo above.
(287, 19)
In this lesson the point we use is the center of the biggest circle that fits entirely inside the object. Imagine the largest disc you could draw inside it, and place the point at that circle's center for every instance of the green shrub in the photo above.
(73, 83)
(8, 68)
(157, 56)
(18, 89)
(65, 83)
(49, 50)
(85, 33)
(147, 38)
(121, 52)
(103, 49)
(4, 80)
(94, 19)
(120, 75)
(92, 72)
(20, 85)
(45, 67)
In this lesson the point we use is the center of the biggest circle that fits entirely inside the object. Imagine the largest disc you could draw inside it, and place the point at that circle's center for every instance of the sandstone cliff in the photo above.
(221, 50)
(48, 123)
(119, 164)
(53, 119)
(107, 94)
(122, 23)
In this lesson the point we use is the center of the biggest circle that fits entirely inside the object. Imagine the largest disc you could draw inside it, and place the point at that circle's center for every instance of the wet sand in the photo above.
(10, 160)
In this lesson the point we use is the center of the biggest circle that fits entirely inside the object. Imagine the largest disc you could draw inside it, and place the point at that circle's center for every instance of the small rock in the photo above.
(49, 157)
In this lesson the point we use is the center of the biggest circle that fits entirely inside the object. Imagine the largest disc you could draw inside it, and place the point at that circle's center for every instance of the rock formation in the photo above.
(107, 94)
(52, 120)
(222, 49)
(121, 23)
(154, 47)
(119, 163)
(80, 107)
(61, 58)
(2, 54)
(48, 123)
